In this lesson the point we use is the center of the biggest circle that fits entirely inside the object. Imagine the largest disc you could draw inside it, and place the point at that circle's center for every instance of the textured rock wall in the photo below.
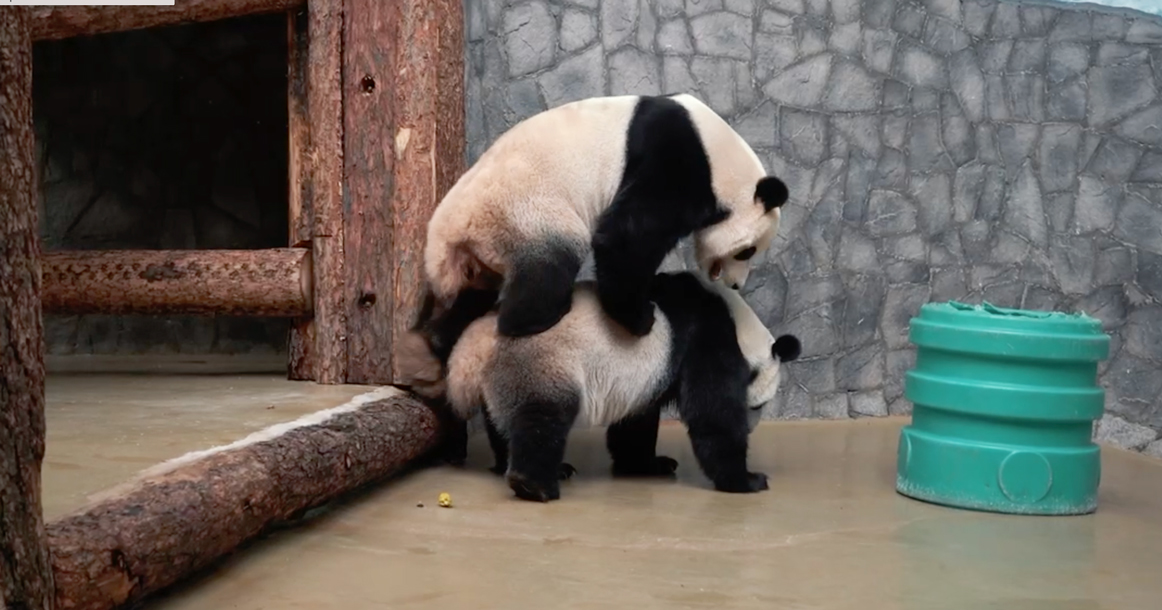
(164, 138)
(935, 149)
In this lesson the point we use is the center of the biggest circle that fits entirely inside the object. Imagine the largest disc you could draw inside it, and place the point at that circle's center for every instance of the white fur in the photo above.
(617, 373)
(554, 173)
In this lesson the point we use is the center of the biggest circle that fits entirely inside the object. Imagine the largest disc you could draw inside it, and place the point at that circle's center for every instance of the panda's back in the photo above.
(614, 372)
(566, 161)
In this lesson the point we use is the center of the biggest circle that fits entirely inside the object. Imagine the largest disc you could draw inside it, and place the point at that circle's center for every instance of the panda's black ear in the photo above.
(772, 192)
(786, 348)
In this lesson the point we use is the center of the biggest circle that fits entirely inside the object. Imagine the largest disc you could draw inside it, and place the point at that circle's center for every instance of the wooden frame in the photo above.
(376, 137)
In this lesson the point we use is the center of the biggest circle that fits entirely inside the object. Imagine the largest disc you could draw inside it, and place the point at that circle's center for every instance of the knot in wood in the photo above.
(167, 271)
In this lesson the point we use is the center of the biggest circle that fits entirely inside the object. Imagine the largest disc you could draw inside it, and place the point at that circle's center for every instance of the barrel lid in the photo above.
(990, 329)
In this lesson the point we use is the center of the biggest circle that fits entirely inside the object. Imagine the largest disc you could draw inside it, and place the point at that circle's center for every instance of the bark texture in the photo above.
(269, 282)
(165, 526)
(53, 22)
(325, 22)
(25, 579)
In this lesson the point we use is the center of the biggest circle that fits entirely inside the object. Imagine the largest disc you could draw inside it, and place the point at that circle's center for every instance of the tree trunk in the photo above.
(25, 578)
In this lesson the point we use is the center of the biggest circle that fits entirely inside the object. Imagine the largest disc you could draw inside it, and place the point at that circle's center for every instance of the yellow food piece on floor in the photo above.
(446, 500)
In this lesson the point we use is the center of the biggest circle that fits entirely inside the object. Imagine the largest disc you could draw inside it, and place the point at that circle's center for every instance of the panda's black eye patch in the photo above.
(754, 374)
(746, 254)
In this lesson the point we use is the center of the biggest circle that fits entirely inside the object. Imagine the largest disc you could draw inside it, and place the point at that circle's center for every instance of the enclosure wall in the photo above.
(935, 149)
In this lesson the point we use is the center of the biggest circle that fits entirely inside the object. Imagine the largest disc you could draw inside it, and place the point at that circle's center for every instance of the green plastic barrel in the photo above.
(1003, 406)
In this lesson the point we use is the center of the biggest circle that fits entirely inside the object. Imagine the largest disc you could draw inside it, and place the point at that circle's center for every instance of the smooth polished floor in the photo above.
(109, 417)
(830, 534)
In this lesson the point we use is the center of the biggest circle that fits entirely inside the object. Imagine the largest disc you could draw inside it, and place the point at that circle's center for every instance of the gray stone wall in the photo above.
(935, 149)
(164, 138)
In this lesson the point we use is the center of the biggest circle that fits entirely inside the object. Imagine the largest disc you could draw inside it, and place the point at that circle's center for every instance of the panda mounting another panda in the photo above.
(708, 353)
(624, 177)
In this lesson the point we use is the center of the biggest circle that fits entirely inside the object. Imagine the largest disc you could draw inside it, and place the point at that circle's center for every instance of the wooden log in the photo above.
(181, 516)
(300, 364)
(54, 22)
(270, 282)
(404, 74)
(325, 114)
(25, 578)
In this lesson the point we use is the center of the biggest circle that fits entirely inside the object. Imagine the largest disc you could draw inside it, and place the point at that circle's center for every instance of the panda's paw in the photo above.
(499, 469)
(566, 471)
(658, 466)
(753, 482)
(533, 491)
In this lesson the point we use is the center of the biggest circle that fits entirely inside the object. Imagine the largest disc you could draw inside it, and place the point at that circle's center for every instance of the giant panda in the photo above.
(624, 177)
(708, 353)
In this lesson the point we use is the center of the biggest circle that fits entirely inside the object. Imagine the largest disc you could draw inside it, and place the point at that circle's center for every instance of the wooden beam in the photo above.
(325, 188)
(271, 282)
(403, 75)
(25, 579)
(54, 22)
(371, 41)
(430, 103)
(300, 344)
(181, 516)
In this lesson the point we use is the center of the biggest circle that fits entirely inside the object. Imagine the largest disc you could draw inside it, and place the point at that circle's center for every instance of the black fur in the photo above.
(709, 379)
(442, 331)
(665, 194)
(772, 192)
(786, 348)
(539, 289)
(537, 433)
(632, 444)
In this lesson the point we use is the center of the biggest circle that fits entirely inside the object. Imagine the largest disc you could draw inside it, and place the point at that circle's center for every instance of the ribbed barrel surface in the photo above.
(1004, 402)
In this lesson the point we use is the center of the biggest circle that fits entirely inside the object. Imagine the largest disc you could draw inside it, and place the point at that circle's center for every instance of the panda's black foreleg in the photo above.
(537, 431)
(712, 403)
(632, 443)
(538, 291)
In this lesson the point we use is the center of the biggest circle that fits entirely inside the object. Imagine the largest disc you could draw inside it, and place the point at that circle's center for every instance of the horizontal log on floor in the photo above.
(179, 517)
(272, 282)
(55, 22)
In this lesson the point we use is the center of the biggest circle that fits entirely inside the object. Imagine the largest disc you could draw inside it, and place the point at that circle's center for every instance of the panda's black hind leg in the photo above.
(632, 443)
(539, 289)
(538, 430)
(499, 445)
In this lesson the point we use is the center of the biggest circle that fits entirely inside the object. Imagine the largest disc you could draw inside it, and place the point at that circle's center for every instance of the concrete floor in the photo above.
(831, 533)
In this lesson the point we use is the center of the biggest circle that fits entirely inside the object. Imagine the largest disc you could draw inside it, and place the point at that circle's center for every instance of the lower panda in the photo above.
(708, 353)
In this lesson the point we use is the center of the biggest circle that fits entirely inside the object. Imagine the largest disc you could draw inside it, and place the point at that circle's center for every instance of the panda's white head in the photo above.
(764, 354)
(750, 199)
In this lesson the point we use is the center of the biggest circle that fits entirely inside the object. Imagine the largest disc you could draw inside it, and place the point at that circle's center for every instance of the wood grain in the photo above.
(325, 190)
(25, 579)
(271, 282)
(301, 337)
(372, 40)
(167, 525)
(54, 22)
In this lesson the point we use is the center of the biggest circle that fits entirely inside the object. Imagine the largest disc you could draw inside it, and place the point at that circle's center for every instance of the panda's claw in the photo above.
(566, 471)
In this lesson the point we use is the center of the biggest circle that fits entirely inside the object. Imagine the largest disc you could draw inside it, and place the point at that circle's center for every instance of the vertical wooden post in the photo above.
(371, 39)
(404, 143)
(430, 103)
(324, 190)
(25, 575)
(300, 350)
